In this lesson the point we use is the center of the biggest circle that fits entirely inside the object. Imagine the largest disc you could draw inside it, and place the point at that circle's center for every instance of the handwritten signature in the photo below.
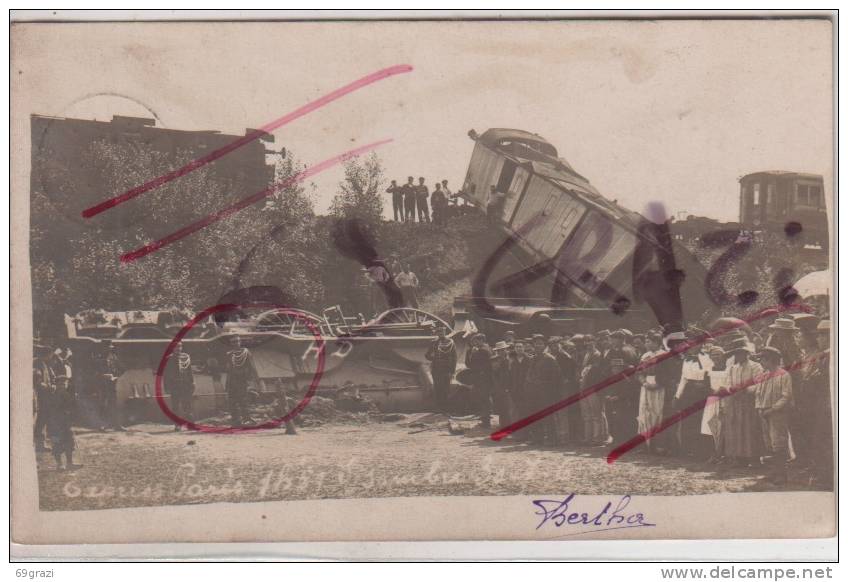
(558, 513)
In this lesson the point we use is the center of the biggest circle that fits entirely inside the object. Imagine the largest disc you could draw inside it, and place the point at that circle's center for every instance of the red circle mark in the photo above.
(274, 423)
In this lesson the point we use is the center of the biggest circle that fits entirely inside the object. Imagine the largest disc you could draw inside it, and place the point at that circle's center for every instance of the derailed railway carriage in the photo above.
(572, 246)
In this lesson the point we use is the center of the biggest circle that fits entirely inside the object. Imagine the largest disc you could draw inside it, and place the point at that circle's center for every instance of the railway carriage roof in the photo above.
(782, 174)
(498, 137)
(556, 170)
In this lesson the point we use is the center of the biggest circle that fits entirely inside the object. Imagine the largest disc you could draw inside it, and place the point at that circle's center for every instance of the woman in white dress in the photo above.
(652, 394)
(711, 420)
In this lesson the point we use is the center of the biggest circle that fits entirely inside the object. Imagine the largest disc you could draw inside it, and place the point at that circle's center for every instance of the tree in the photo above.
(359, 194)
(284, 257)
(76, 263)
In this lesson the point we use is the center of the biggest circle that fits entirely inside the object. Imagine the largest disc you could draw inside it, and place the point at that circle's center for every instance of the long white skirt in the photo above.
(650, 407)
(710, 411)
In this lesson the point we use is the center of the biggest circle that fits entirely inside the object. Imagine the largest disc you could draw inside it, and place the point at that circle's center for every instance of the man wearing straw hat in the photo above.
(773, 401)
(782, 337)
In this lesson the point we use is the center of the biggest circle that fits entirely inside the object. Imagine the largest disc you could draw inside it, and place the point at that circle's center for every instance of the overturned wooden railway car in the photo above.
(571, 246)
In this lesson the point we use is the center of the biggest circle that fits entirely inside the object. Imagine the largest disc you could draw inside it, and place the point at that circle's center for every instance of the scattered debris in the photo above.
(462, 424)
(321, 410)
(349, 399)
(392, 417)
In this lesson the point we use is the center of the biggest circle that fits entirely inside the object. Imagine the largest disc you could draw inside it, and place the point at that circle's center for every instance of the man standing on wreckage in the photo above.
(240, 371)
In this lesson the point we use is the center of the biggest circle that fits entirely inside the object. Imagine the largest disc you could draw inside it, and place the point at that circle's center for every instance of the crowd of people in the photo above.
(735, 402)
(739, 397)
(51, 373)
(58, 389)
(413, 200)
(61, 397)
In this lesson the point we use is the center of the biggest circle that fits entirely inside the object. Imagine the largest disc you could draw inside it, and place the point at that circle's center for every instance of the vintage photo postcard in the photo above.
(422, 280)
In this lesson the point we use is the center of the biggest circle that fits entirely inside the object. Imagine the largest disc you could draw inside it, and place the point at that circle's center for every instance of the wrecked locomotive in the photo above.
(382, 359)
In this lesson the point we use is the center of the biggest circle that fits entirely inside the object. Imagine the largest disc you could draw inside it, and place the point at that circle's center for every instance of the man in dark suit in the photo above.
(397, 201)
(42, 385)
(109, 368)
(622, 401)
(178, 379)
(442, 357)
(541, 383)
(478, 359)
(409, 199)
(422, 197)
(240, 372)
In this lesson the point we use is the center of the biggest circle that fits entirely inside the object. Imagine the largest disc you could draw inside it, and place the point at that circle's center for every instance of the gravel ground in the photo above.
(153, 465)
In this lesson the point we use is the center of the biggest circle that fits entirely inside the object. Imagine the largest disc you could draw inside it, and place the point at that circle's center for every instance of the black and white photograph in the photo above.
(376, 268)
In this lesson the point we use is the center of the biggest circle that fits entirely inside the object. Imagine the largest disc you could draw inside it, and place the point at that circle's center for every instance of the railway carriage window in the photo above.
(568, 222)
(802, 195)
(815, 196)
(771, 203)
(514, 193)
(549, 204)
(808, 195)
(507, 173)
(756, 194)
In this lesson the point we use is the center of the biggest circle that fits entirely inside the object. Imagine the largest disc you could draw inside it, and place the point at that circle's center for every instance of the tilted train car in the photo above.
(591, 251)
(785, 202)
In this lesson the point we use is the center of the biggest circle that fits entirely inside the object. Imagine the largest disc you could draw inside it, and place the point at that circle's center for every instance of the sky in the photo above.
(674, 111)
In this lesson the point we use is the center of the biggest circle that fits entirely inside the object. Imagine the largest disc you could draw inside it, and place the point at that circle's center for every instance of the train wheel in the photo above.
(409, 315)
(289, 323)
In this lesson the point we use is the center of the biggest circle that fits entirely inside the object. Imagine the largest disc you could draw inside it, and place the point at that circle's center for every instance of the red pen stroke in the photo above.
(628, 372)
(692, 409)
(159, 374)
(245, 202)
(253, 135)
